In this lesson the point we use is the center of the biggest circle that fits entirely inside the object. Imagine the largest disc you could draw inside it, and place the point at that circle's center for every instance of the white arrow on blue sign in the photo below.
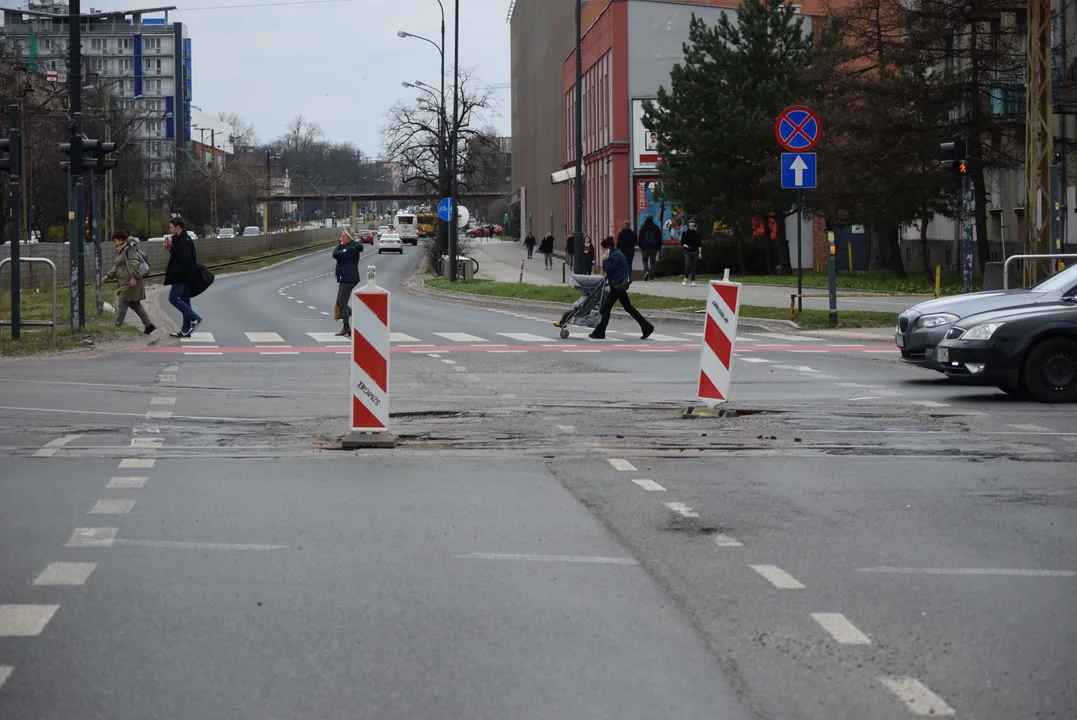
(445, 209)
(798, 171)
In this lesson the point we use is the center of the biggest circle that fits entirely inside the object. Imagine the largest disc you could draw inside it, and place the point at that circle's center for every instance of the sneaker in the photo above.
(149, 329)
(177, 334)
(684, 282)
(693, 283)
(194, 326)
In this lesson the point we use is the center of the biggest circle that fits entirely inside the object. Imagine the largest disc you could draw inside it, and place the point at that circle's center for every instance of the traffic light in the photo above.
(953, 156)
(91, 157)
(10, 156)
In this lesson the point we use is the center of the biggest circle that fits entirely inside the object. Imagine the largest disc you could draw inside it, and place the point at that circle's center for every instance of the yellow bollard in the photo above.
(850, 246)
(792, 307)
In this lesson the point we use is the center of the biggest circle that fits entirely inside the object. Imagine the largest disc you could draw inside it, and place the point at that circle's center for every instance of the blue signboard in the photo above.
(798, 171)
(445, 209)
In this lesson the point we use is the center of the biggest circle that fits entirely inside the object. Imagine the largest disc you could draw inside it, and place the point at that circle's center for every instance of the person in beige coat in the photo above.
(131, 290)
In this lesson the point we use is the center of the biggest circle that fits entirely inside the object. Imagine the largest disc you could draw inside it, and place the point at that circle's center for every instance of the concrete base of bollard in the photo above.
(363, 441)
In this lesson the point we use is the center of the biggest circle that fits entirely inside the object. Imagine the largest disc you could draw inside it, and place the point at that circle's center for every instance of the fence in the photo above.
(210, 251)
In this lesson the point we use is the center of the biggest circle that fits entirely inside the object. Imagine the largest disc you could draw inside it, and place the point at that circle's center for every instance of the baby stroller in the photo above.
(584, 312)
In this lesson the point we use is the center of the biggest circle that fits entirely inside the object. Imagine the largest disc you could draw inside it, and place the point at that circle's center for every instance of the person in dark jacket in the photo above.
(546, 248)
(347, 255)
(626, 243)
(588, 256)
(568, 251)
(692, 244)
(182, 274)
(617, 275)
(650, 245)
(529, 243)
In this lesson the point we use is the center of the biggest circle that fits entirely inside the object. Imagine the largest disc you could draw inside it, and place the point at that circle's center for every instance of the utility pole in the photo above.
(269, 187)
(74, 173)
(213, 219)
(577, 242)
(454, 229)
(95, 209)
(13, 166)
(110, 215)
(1039, 139)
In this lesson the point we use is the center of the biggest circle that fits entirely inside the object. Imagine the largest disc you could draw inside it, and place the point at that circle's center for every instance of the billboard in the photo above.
(668, 214)
(644, 143)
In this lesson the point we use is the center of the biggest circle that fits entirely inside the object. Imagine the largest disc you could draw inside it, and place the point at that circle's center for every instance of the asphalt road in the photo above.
(181, 537)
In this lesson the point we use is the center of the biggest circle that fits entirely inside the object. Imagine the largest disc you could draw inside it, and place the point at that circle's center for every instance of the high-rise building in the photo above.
(140, 56)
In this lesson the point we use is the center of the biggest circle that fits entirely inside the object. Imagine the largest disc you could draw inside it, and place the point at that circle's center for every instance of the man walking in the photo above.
(650, 245)
(626, 243)
(546, 248)
(529, 243)
(616, 268)
(692, 243)
(182, 274)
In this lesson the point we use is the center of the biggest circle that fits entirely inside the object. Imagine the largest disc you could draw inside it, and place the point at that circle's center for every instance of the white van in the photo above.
(407, 227)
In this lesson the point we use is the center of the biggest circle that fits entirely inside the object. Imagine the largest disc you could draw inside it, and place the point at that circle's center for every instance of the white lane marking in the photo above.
(145, 443)
(264, 337)
(790, 338)
(841, 629)
(917, 696)
(460, 369)
(586, 336)
(525, 337)
(163, 401)
(5, 673)
(448, 362)
(1005, 572)
(158, 414)
(655, 350)
(507, 352)
(311, 307)
(166, 378)
(550, 558)
(754, 360)
(112, 507)
(823, 376)
(125, 482)
(343, 352)
(1029, 428)
(131, 463)
(621, 464)
(722, 540)
(778, 578)
(281, 352)
(461, 337)
(289, 296)
(649, 485)
(866, 397)
(325, 313)
(324, 337)
(929, 404)
(566, 428)
(858, 385)
(25, 620)
(682, 509)
(199, 337)
(92, 537)
(797, 368)
(170, 368)
(197, 545)
(53, 446)
(399, 337)
(203, 353)
(65, 573)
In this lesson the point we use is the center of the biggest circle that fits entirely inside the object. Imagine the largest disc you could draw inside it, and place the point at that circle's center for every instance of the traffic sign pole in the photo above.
(800, 251)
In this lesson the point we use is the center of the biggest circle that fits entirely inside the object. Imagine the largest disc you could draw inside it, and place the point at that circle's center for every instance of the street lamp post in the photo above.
(454, 229)
(578, 262)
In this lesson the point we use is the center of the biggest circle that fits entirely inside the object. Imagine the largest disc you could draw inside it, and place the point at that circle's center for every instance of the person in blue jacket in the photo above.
(615, 264)
(347, 255)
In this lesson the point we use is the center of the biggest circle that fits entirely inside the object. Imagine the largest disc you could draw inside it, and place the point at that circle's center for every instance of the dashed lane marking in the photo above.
(1029, 428)
(53, 446)
(5, 673)
(566, 428)
(147, 443)
(525, 337)
(126, 482)
(551, 558)
(139, 463)
(264, 337)
(166, 378)
(753, 360)
(778, 578)
(928, 403)
(25, 620)
(460, 369)
(92, 537)
(917, 697)
(399, 337)
(622, 465)
(324, 337)
(841, 629)
(158, 414)
(112, 507)
(682, 509)
(163, 401)
(649, 485)
(171, 544)
(448, 362)
(65, 573)
(722, 540)
(1004, 572)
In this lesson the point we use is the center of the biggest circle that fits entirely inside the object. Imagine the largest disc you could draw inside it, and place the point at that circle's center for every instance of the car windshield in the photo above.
(1059, 282)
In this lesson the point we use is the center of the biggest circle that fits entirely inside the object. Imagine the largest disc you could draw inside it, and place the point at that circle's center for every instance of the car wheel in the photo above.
(1050, 371)
(379, 251)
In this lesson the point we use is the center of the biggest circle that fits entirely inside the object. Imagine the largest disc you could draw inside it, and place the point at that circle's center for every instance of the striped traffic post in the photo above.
(370, 367)
(719, 340)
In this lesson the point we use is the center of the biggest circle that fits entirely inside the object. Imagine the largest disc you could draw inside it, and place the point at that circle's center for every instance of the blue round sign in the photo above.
(797, 129)
(445, 209)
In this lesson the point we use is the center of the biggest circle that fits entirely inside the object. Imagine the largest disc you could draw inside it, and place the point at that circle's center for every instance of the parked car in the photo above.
(1030, 350)
(922, 327)
(226, 233)
(481, 231)
(365, 236)
(251, 231)
(391, 242)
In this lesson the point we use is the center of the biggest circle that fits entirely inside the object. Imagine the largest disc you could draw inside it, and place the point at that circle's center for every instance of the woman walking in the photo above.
(130, 291)
(347, 255)
(617, 274)
(529, 243)
(589, 256)
(546, 248)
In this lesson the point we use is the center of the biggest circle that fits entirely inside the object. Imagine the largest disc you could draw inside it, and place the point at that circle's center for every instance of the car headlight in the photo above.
(932, 321)
(981, 332)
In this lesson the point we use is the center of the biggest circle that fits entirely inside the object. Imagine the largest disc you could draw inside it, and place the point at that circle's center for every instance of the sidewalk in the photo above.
(500, 261)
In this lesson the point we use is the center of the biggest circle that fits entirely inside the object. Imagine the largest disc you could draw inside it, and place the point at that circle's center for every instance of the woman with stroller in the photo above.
(618, 276)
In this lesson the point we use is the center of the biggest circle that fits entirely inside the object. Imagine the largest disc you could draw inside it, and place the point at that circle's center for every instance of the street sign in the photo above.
(797, 129)
(798, 171)
(445, 209)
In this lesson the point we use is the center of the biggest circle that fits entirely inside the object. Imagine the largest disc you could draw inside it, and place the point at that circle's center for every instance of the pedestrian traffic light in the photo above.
(91, 157)
(10, 156)
(953, 156)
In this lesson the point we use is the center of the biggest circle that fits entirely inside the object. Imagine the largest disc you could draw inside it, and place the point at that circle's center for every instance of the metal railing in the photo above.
(1006, 267)
(35, 323)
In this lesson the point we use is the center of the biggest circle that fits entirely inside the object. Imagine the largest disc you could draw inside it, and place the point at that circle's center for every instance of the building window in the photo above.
(44, 45)
(153, 87)
(99, 44)
(124, 43)
(153, 64)
(127, 65)
(153, 127)
(153, 43)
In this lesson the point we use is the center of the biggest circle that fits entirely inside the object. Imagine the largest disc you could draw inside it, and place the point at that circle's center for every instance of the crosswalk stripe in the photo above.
(324, 337)
(579, 335)
(524, 337)
(264, 337)
(199, 337)
(461, 337)
(399, 337)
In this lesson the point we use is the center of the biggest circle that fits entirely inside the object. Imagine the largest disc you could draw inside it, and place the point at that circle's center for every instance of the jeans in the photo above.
(136, 306)
(530, 251)
(691, 262)
(650, 262)
(549, 260)
(180, 298)
(344, 296)
(630, 256)
(621, 296)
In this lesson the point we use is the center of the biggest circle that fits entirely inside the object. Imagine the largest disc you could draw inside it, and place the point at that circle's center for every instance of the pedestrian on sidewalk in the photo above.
(617, 275)
(347, 254)
(626, 243)
(650, 245)
(182, 274)
(529, 243)
(588, 255)
(568, 251)
(546, 248)
(692, 244)
(130, 290)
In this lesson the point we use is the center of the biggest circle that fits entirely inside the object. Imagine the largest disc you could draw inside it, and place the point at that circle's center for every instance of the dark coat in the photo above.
(546, 246)
(182, 262)
(568, 244)
(692, 239)
(616, 267)
(589, 256)
(347, 257)
(529, 241)
(626, 241)
(650, 236)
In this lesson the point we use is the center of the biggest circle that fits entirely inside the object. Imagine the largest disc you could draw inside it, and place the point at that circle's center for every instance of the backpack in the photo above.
(143, 270)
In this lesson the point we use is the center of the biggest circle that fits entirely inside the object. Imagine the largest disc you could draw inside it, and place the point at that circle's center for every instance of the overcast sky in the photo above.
(338, 63)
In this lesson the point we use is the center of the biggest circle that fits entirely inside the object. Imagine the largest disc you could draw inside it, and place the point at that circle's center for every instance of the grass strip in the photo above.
(864, 280)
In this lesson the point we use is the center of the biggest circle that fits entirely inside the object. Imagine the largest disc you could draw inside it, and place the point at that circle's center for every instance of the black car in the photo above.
(1027, 350)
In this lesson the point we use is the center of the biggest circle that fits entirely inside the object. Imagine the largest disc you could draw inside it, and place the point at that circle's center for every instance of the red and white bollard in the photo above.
(521, 271)
(719, 341)
(370, 367)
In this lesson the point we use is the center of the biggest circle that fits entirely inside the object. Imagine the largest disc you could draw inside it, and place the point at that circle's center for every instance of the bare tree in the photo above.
(243, 134)
(302, 136)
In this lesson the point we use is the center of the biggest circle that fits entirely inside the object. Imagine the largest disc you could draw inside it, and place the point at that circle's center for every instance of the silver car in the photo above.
(922, 327)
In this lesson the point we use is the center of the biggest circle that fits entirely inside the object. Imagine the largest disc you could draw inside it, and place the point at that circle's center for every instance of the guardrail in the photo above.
(33, 323)
(1006, 267)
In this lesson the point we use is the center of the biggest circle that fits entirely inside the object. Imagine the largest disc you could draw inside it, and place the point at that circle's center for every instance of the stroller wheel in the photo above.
(564, 333)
